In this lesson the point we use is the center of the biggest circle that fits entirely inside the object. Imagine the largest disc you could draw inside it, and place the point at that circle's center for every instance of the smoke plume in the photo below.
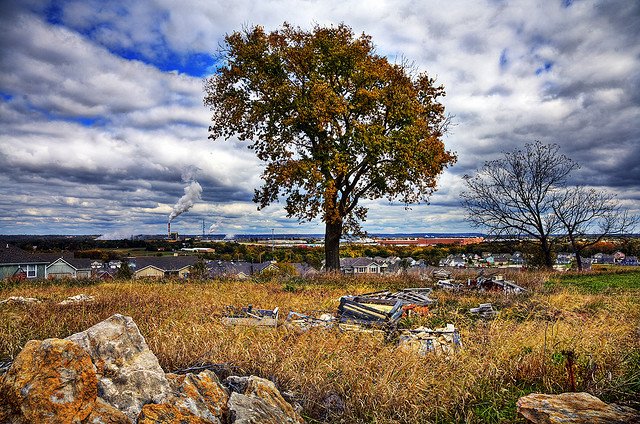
(192, 193)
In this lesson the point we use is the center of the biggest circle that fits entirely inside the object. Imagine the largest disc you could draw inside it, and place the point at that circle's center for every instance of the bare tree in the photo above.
(515, 195)
(588, 216)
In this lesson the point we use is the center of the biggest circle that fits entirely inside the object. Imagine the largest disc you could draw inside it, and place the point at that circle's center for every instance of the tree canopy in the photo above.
(334, 122)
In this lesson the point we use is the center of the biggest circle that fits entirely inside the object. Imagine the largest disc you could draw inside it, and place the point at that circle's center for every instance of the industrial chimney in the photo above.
(169, 230)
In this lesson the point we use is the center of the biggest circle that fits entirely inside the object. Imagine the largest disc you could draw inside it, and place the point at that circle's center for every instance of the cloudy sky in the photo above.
(101, 112)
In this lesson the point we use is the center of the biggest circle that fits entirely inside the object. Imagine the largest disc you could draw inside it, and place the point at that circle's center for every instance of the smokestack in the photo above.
(169, 230)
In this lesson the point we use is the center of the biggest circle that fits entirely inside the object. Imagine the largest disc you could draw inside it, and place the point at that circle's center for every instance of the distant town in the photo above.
(247, 256)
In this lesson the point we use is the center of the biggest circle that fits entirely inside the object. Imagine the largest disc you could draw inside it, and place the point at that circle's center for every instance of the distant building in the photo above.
(428, 241)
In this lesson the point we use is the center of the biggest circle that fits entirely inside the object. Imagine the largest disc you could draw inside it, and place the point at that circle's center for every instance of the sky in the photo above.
(103, 128)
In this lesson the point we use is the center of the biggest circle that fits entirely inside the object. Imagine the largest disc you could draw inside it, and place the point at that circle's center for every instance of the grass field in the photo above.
(523, 350)
(598, 283)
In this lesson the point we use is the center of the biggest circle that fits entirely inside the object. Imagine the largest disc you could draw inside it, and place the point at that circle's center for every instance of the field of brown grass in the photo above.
(523, 350)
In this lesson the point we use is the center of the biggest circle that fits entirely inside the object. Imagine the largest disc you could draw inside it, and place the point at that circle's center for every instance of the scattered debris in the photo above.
(369, 311)
(448, 284)
(80, 298)
(251, 317)
(425, 340)
(494, 283)
(305, 322)
(19, 300)
(485, 310)
(418, 296)
(441, 274)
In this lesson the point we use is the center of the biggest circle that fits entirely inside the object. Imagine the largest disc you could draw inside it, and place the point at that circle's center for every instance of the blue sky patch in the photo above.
(504, 60)
(546, 67)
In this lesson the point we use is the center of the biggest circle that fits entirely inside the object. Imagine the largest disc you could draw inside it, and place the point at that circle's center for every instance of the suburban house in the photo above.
(239, 269)
(630, 261)
(162, 266)
(363, 266)
(455, 261)
(15, 262)
(69, 267)
(603, 258)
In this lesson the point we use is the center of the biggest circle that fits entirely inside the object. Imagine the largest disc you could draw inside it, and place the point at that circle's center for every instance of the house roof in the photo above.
(164, 263)
(76, 263)
(235, 268)
(11, 255)
(358, 262)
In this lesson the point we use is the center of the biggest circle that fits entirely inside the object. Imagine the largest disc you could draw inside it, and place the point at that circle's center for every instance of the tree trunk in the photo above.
(546, 252)
(333, 232)
(576, 251)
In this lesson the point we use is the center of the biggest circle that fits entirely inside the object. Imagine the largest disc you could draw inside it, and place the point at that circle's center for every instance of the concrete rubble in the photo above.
(485, 310)
(19, 300)
(79, 298)
(424, 340)
(251, 317)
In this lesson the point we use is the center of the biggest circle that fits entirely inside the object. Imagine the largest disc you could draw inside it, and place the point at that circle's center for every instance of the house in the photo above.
(565, 258)
(603, 258)
(517, 258)
(455, 261)
(630, 261)
(162, 266)
(304, 269)
(239, 269)
(15, 262)
(362, 266)
(69, 267)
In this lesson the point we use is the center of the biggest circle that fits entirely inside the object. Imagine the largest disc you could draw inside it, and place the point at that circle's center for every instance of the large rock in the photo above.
(573, 408)
(129, 375)
(199, 394)
(103, 413)
(167, 414)
(50, 381)
(261, 403)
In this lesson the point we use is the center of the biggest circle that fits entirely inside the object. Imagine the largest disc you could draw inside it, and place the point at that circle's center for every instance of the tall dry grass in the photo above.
(523, 350)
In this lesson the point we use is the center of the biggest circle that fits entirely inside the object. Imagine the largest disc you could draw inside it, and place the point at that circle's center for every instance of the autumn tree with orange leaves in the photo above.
(334, 122)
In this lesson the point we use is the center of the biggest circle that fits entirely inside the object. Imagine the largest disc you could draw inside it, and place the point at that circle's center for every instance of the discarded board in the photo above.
(251, 317)
(418, 296)
(424, 340)
(448, 284)
(369, 311)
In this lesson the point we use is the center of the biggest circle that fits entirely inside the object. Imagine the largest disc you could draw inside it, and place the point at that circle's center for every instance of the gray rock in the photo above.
(129, 375)
(261, 403)
(200, 394)
(236, 383)
(573, 408)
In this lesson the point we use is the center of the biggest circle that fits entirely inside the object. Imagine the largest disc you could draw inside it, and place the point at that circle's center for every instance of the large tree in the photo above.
(588, 216)
(516, 194)
(334, 122)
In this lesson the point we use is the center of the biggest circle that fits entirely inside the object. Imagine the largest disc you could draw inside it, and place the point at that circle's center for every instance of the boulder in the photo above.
(50, 381)
(199, 394)
(573, 408)
(103, 413)
(167, 414)
(129, 375)
(236, 383)
(261, 403)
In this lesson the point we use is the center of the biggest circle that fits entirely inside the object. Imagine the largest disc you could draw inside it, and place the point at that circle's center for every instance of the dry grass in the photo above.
(521, 351)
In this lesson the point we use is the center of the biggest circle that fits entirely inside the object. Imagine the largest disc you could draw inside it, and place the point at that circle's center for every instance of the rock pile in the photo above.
(108, 374)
